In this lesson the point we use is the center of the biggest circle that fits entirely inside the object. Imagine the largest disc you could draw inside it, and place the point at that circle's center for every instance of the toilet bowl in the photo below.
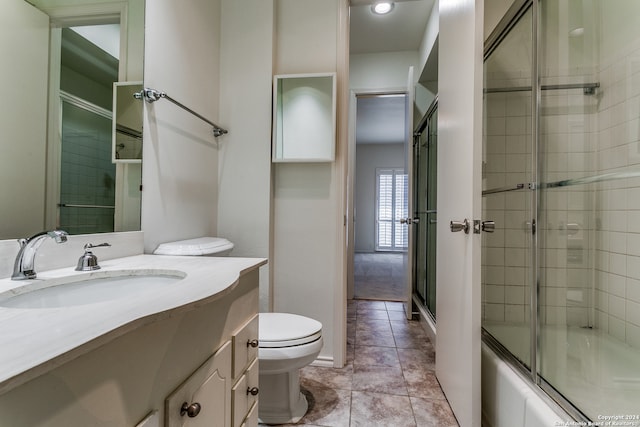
(287, 343)
(201, 246)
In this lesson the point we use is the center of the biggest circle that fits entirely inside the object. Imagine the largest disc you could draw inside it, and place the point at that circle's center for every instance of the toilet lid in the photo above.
(287, 330)
(198, 246)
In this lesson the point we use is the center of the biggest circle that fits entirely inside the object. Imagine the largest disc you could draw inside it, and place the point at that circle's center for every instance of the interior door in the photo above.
(458, 296)
(407, 255)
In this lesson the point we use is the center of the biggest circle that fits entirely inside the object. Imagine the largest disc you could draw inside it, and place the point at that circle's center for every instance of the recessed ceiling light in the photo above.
(382, 8)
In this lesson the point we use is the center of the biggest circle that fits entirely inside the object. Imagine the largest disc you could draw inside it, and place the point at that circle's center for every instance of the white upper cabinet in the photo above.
(304, 117)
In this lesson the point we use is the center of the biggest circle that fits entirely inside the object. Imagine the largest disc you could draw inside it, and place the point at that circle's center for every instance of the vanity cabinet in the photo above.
(223, 391)
(244, 394)
(195, 350)
(204, 398)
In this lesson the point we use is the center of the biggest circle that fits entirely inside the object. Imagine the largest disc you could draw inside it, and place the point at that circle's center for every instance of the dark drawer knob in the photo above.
(253, 391)
(252, 343)
(191, 411)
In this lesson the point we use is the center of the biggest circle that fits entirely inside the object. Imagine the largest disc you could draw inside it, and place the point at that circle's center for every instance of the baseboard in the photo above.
(324, 362)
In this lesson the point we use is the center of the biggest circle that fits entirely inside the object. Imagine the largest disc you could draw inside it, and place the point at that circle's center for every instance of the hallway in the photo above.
(389, 379)
(379, 276)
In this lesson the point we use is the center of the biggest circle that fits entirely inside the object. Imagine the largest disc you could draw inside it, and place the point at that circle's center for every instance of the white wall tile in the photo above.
(633, 312)
(633, 290)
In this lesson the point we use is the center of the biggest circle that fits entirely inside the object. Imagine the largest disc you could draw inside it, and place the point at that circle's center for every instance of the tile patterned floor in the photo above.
(389, 380)
(379, 276)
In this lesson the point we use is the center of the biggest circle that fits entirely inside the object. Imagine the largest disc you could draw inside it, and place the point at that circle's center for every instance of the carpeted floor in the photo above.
(379, 276)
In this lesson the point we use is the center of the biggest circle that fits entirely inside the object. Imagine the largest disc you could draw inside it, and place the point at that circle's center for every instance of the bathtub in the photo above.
(599, 374)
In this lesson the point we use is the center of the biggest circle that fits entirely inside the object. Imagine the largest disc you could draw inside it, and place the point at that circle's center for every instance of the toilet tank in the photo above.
(201, 246)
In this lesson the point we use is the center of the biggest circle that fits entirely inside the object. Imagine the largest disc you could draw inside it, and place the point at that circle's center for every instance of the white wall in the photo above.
(244, 171)
(368, 158)
(23, 118)
(387, 70)
(307, 197)
(430, 36)
(182, 48)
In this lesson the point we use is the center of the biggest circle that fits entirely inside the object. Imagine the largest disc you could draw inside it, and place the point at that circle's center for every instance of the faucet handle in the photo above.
(88, 261)
(90, 245)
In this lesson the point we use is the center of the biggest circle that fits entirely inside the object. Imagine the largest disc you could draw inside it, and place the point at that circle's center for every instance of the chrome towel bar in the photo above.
(152, 95)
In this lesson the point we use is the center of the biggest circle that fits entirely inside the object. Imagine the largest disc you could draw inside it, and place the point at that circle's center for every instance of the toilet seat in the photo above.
(281, 330)
(194, 247)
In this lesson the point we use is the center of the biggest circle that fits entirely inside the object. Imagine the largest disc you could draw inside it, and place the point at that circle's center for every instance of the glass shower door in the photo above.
(87, 175)
(590, 206)
(561, 179)
(507, 254)
(425, 164)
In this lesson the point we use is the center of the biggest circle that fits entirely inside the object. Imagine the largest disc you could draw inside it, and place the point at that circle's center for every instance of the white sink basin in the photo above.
(89, 289)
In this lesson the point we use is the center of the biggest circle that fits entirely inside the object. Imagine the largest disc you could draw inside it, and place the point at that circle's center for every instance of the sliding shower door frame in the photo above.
(427, 217)
(530, 373)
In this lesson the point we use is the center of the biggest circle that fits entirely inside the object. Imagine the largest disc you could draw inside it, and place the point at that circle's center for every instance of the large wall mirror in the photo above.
(57, 163)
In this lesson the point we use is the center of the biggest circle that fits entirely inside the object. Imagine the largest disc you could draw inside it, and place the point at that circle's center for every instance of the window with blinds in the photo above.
(391, 206)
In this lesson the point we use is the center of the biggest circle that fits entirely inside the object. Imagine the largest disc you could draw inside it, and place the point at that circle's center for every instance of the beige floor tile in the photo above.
(380, 410)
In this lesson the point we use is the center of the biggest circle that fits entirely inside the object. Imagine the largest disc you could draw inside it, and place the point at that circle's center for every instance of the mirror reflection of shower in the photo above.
(88, 69)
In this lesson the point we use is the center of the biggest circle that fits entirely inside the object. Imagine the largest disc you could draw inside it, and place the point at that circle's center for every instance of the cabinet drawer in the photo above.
(205, 394)
(244, 395)
(252, 418)
(245, 346)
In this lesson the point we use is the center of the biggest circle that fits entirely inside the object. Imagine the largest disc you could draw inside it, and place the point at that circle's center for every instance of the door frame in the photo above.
(351, 170)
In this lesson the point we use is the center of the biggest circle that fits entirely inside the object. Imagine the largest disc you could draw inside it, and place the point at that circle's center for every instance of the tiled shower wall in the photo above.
(589, 231)
(617, 202)
(87, 175)
(507, 162)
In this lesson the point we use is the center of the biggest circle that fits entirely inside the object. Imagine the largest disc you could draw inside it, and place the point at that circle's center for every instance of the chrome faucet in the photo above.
(24, 266)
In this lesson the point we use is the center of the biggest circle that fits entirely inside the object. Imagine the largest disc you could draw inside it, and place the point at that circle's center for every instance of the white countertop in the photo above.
(36, 340)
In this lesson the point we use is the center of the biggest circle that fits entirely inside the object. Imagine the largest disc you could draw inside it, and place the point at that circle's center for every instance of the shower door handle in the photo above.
(488, 226)
(456, 226)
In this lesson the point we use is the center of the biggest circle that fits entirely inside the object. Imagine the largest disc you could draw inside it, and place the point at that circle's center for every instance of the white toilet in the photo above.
(203, 246)
(287, 343)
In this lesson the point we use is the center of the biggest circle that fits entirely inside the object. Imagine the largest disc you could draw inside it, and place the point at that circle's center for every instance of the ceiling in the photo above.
(401, 29)
(380, 119)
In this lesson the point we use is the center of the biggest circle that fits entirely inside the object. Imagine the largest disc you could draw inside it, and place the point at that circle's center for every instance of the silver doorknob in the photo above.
(456, 226)
(488, 226)
(409, 221)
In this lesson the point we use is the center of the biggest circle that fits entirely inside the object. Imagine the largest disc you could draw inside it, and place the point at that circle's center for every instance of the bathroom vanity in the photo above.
(181, 354)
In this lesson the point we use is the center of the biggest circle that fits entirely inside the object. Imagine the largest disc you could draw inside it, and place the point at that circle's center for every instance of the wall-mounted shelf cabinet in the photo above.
(304, 117)
(127, 123)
